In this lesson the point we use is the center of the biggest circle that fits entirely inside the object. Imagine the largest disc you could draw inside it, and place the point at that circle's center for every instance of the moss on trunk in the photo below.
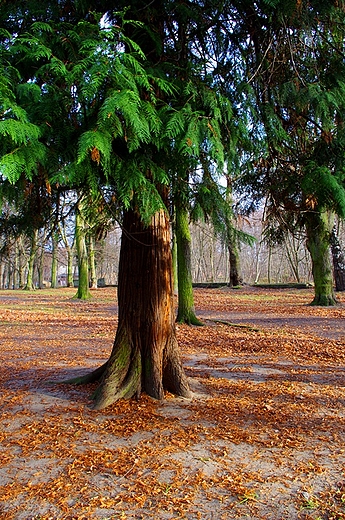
(318, 243)
(83, 292)
(145, 353)
(186, 310)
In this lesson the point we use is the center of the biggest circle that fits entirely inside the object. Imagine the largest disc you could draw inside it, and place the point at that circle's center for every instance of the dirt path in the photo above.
(330, 328)
(263, 437)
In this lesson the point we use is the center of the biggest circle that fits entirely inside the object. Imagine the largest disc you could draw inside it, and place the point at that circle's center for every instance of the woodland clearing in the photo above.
(262, 438)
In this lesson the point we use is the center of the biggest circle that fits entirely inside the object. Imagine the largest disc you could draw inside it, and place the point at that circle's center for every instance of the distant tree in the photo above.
(338, 257)
(81, 230)
(30, 286)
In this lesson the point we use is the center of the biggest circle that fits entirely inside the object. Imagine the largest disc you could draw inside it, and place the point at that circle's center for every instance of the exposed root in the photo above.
(238, 325)
(115, 386)
(174, 377)
(324, 301)
(90, 377)
(189, 319)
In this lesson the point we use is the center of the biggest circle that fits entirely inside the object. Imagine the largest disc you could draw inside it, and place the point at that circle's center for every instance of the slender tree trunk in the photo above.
(54, 266)
(33, 250)
(83, 292)
(93, 275)
(234, 263)
(318, 243)
(258, 263)
(292, 256)
(269, 263)
(41, 269)
(70, 254)
(338, 258)
(186, 310)
(16, 265)
(2, 267)
(21, 262)
(232, 243)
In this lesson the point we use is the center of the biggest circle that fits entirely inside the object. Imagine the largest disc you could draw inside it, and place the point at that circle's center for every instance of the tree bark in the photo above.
(234, 274)
(232, 244)
(54, 266)
(21, 262)
(318, 244)
(83, 292)
(92, 261)
(41, 267)
(70, 254)
(33, 250)
(145, 354)
(186, 310)
(338, 258)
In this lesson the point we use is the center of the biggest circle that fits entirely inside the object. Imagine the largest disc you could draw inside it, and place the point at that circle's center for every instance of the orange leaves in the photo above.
(95, 155)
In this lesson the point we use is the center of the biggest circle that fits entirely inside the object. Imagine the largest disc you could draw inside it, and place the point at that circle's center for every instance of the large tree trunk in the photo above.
(186, 310)
(338, 258)
(145, 354)
(318, 243)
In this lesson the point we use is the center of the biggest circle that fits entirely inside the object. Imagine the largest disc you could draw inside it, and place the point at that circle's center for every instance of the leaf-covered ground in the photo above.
(263, 437)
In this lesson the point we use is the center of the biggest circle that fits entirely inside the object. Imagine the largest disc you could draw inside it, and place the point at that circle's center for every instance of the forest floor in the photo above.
(262, 438)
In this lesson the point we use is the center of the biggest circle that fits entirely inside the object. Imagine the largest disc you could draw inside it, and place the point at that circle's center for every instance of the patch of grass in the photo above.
(248, 496)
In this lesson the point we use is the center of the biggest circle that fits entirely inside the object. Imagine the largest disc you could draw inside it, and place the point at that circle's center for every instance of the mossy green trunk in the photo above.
(318, 243)
(186, 310)
(145, 354)
(83, 292)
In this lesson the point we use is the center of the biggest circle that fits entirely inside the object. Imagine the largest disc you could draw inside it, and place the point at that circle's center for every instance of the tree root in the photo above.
(115, 386)
(324, 301)
(189, 319)
(91, 377)
(238, 325)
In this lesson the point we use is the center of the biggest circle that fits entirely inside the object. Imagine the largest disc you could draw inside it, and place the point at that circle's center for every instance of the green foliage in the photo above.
(296, 74)
(328, 190)
(84, 102)
(18, 131)
(22, 160)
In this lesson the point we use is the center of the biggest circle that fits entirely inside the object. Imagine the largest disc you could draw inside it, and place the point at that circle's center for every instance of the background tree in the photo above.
(338, 258)
(294, 64)
(83, 292)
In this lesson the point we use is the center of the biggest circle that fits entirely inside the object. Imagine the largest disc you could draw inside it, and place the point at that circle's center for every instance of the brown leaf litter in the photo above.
(262, 438)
